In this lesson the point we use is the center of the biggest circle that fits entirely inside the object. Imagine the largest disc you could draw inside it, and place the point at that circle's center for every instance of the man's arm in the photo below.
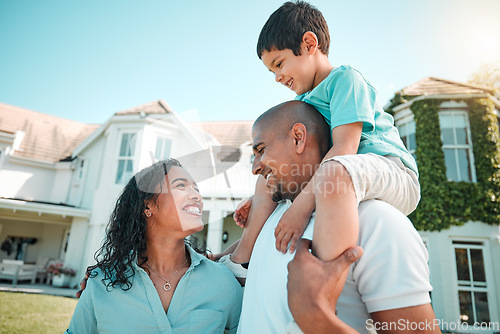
(414, 319)
(314, 287)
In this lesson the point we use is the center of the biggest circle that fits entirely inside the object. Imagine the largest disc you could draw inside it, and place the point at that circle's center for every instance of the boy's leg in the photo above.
(261, 209)
(336, 222)
(383, 177)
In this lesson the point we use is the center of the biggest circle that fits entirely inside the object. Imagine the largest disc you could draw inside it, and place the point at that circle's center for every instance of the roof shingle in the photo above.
(47, 137)
(436, 86)
(155, 107)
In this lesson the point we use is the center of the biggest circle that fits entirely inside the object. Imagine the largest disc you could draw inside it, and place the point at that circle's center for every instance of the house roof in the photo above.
(436, 86)
(155, 107)
(47, 137)
(231, 135)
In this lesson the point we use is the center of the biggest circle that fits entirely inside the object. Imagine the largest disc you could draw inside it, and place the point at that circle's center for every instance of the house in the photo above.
(35, 175)
(452, 130)
(59, 179)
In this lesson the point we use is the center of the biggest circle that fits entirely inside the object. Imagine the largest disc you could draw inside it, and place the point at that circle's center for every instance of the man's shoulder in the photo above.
(380, 223)
(377, 214)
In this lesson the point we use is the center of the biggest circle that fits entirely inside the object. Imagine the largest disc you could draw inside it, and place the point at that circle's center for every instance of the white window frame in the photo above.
(119, 158)
(404, 123)
(80, 171)
(486, 287)
(165, 139)
(457, 147)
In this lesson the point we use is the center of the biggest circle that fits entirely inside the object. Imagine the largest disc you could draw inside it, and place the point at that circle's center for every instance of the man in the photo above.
(388, 284)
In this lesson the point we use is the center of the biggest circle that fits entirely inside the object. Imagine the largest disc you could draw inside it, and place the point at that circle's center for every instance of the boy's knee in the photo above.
(332, 178)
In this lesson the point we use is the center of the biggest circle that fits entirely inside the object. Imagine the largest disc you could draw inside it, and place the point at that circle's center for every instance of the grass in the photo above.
(31, 313)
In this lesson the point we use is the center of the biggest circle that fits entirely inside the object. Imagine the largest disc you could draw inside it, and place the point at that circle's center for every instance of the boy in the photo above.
(367, 159)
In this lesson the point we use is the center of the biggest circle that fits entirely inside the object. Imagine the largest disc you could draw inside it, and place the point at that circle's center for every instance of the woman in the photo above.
(147, 280)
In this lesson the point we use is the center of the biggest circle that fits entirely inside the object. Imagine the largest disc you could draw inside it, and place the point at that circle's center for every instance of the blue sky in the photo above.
(85, 60)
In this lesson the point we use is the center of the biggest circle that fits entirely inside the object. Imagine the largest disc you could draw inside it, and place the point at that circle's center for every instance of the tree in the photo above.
(487, 75)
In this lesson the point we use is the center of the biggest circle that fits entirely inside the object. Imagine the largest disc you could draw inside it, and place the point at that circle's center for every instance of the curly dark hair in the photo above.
(125, 240)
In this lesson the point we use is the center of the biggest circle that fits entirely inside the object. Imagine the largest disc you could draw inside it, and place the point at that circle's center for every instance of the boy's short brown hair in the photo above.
(286, 26)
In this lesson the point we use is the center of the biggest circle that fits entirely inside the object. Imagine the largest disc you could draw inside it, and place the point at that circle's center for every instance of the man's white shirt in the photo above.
(392, 273)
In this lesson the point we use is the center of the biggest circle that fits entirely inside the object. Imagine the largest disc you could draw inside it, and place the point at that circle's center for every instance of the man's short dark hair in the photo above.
(286, 26)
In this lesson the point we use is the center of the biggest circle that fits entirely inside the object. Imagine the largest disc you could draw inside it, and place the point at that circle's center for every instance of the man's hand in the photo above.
(290, 228)
(83, 282)
(242, 211)
(314, 287)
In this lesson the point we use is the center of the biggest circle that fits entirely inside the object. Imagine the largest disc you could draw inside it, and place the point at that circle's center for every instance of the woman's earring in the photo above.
(147, 213)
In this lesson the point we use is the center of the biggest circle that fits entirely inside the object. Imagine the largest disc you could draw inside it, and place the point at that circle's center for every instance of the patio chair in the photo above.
(42, 263)
(16, 270)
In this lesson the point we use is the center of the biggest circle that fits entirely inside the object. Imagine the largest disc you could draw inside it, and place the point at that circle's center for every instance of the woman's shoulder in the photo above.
(100, 280)
(216, 270)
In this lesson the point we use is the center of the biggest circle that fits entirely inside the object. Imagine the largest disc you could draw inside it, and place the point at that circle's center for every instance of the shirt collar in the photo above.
(196, 258)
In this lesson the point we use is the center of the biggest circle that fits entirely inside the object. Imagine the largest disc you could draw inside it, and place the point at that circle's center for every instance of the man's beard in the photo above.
(279, 193)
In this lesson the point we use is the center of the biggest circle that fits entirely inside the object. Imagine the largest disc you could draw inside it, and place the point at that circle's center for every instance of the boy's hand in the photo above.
(290, 228)
(240, 215)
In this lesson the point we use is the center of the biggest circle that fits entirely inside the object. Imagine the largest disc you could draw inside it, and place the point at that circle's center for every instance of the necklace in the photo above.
(167, 286)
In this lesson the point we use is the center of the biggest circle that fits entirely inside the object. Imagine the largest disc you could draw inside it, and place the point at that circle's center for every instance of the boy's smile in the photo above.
(295, 72)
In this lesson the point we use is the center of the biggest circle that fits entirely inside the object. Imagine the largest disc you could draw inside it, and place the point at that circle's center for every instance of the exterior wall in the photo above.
(443, 270)
(75, 253)
(61, 184)
(81, 190)
(26, 182)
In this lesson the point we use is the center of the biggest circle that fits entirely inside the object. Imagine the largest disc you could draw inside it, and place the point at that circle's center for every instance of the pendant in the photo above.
(167, 286)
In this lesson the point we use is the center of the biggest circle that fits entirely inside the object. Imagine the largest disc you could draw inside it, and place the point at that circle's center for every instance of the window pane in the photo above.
(403, 129)
(461, 136)
(127, 145)
(162, 150)
(462, 264)
(129, 171)
(404, 139)
(166, 148)
(124, 172)
(412, 144)
(124, 144)
(447, 136)
(476, 257)
(464, 165)
(466, 314)
(412, 127)
(445, 120)
(159, 144)
(482, 309)
(119, 172)
(446, 125)
(459, 120)
(131, 147)
(451, 164)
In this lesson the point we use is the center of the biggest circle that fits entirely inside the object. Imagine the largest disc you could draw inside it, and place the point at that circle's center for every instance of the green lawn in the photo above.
(31, 313)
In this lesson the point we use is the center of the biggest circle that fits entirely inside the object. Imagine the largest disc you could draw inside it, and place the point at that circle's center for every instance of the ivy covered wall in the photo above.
(445, 203)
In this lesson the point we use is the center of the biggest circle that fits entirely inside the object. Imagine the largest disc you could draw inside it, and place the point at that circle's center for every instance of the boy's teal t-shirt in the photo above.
(345, 97)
